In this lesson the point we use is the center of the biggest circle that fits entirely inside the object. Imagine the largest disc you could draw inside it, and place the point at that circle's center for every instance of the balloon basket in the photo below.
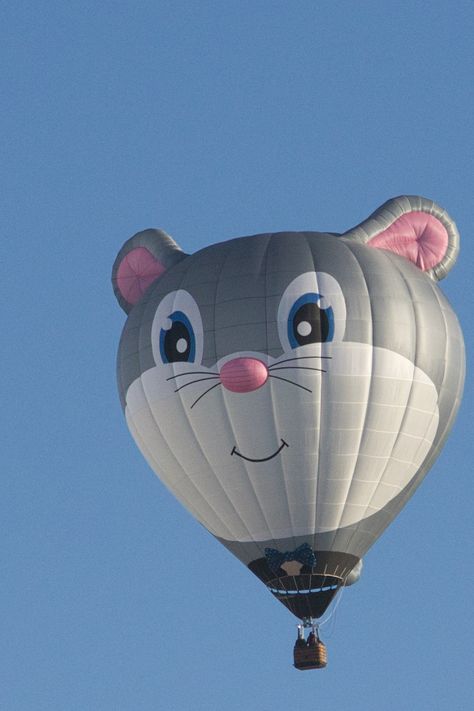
(310, 653)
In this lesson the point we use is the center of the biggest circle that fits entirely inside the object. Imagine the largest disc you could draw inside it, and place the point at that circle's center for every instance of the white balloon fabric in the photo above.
(293, 389)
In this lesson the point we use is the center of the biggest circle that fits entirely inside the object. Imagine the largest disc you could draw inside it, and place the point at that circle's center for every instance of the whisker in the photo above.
(297, 367)
(205, 393)
(199, 380)
(300, 358)
(192, 372)
(277, 377)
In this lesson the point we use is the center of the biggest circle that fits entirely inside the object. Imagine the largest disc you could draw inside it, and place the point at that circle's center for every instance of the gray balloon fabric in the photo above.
(293, 389)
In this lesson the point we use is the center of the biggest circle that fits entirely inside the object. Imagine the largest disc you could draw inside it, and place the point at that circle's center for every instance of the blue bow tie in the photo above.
(303, 554)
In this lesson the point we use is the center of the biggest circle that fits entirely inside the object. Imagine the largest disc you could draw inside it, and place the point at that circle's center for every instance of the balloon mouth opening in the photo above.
(302, 591)
(309, 592)
(306, 596)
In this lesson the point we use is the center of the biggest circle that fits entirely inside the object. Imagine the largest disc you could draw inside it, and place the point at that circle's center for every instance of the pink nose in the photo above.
(241, 375)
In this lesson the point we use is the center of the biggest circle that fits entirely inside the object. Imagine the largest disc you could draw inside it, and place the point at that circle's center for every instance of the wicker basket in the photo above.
(310, 656)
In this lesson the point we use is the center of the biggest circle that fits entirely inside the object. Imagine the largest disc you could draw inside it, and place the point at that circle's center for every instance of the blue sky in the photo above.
(210, 120)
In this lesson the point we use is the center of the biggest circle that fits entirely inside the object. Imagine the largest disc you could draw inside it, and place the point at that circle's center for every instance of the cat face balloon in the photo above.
(293, 389)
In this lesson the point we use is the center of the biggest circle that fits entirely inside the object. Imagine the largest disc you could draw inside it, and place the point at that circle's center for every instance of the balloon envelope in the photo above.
(293, 389)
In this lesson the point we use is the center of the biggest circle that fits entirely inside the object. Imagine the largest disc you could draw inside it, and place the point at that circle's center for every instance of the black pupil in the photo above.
(317, 318)
(176, 334)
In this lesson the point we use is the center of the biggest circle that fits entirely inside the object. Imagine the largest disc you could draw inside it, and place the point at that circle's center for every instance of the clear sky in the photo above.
(210, 119)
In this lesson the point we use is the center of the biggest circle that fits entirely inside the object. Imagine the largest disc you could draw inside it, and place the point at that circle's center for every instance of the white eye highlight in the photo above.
(304, 328)
(181, 345)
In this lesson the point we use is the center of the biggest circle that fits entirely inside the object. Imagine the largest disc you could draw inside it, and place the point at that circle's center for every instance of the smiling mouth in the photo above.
(264, 459)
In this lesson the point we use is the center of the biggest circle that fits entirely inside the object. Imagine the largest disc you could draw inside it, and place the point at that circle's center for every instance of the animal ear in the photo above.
(143, 259)
(415, 228)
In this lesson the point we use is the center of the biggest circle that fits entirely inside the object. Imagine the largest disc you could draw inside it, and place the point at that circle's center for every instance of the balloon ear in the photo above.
(415, 228)
(141, 261)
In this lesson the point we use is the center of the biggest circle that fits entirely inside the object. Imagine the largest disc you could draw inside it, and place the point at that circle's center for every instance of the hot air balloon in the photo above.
(292, 389)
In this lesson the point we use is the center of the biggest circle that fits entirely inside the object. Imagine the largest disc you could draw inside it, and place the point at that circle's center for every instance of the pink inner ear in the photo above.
(136, 272)
(417, 236)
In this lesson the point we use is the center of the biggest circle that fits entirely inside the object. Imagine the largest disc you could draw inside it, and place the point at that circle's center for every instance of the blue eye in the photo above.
(309, 323)
(178, 343)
